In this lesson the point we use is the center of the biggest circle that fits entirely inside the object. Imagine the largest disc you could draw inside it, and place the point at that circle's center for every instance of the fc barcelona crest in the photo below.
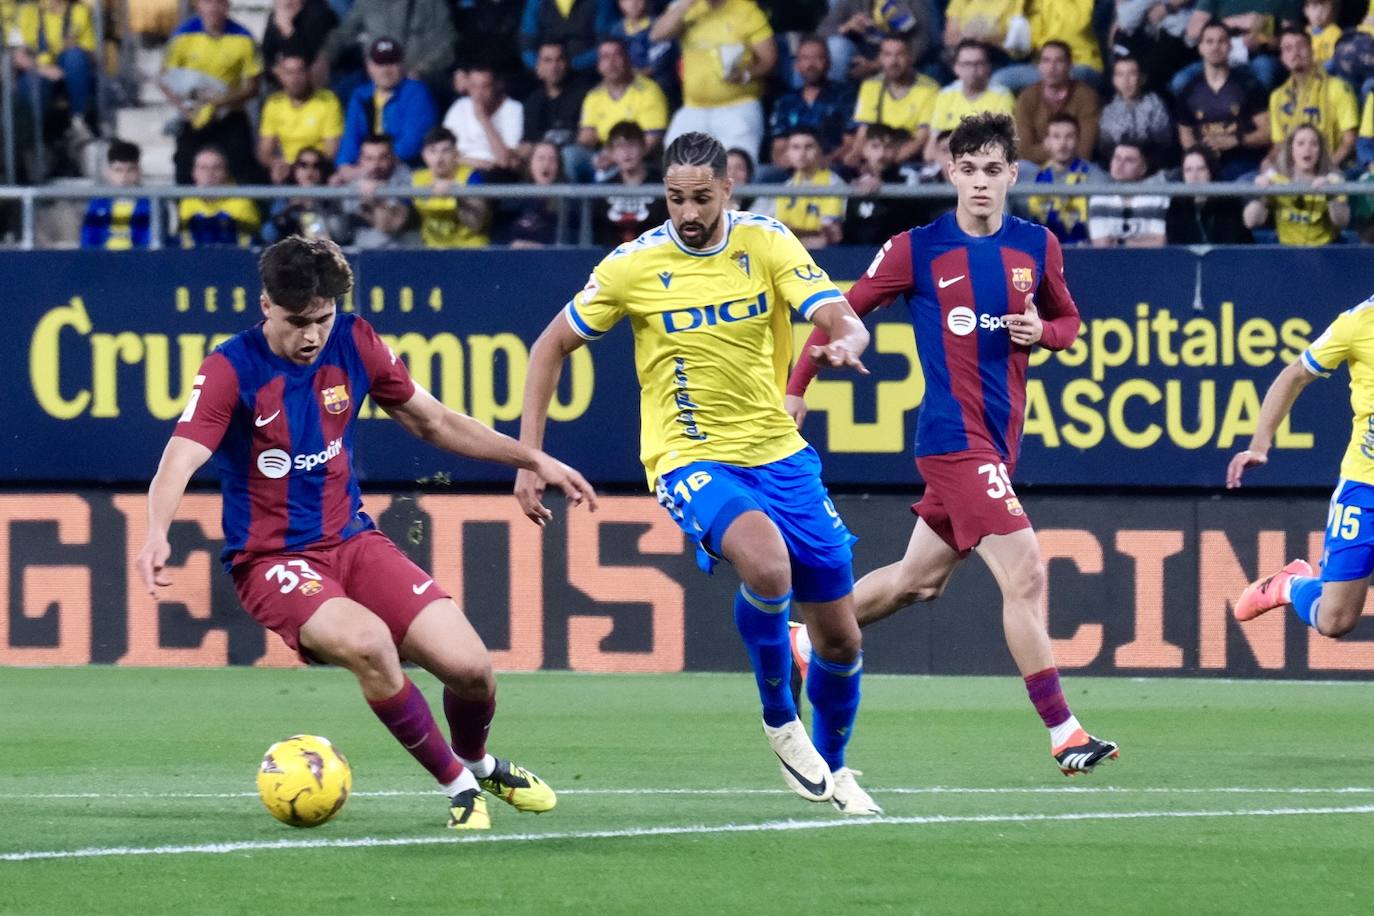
(335, 398)
(1022, 278)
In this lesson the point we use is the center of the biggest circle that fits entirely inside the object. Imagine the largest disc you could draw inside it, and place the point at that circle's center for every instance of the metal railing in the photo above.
(565, 194)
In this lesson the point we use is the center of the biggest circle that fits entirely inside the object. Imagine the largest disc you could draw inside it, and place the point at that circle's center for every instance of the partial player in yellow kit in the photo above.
(1333, 603)
(706, 295)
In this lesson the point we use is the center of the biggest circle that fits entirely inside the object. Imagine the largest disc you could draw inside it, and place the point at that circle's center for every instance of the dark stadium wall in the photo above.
(1136, 587)
(1163, 384)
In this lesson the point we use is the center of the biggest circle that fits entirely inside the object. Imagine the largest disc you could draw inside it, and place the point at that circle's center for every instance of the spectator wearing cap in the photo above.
(423, 27)
(210, 70)
(389, 103)
(727, 55)
(487, 122)
(575, 24)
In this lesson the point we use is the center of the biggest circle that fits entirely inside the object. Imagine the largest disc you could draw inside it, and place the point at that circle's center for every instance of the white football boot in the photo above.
(849, 798)
(803, 768)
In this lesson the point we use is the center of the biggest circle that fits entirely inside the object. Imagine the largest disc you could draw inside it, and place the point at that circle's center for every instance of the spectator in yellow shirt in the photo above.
(1302, 219)
(56, 45)
(1066, 21)
(899, 97)
(296, 118)
(1311, 96)
(215, 221)
(448, 221)
(1321, 25)
(969, 94)
(816, 221)
(210, 70)
(622, 95)
(727, 55)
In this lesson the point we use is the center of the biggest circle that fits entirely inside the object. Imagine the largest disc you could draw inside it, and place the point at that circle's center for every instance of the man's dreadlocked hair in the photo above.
(297, 271)
(697, 149)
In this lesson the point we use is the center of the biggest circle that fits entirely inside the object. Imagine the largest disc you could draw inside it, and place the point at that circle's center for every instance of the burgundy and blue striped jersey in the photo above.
(959, 290)
(282, 435)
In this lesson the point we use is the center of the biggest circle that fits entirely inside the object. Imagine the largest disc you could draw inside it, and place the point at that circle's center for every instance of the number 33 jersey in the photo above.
(282, 435)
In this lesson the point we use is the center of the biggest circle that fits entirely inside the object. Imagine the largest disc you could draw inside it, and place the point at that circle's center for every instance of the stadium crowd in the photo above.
(436, 95)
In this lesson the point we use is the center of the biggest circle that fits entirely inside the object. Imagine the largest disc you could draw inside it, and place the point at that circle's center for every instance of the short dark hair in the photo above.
(814, 39)
(1143, 149)
(1293, 30)
(438, 134)
(748, 160)
(379, 139)
(978, 132)
(1215, 23)
(1063, 117)
(123, 151)
(966, 43)
(804, 130)
(627, 130)
(297, 271)
(696, 149)
(1054, 43)
(290, 52)
(880, 132)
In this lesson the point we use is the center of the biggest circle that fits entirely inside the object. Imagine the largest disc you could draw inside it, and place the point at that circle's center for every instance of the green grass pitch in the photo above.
(1254, 797)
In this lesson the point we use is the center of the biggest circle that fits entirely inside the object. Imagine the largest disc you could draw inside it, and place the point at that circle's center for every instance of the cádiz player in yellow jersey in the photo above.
(1331, 604)
(706, 295)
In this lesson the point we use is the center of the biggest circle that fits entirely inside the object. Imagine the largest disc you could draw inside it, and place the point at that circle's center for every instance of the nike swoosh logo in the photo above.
(951, 281)
(411, 747)
(263, 421)
(815, 788)
(421, 589)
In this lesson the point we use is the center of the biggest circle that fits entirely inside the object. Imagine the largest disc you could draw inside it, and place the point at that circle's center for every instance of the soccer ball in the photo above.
(304, 780)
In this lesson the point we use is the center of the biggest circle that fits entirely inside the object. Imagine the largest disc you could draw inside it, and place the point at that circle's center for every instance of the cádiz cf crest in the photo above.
(741, 260)
(1022, 278)
(335, 398)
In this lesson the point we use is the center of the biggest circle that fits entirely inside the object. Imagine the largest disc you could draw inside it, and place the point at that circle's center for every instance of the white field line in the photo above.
(896, 790)
(101, 852)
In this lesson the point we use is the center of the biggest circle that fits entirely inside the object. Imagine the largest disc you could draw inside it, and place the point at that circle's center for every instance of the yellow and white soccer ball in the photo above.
(304, 780)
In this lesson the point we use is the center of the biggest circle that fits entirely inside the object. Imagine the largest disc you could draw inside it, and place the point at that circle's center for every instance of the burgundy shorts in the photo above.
(968, 497)
(283, 590)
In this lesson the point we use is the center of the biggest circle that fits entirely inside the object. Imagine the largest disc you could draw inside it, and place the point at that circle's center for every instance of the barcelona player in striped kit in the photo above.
(275, 407)
(976, 282)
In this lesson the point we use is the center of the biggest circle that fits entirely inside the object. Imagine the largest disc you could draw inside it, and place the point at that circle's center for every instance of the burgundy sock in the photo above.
(469, 721)
(1048, 697)
(408, 718)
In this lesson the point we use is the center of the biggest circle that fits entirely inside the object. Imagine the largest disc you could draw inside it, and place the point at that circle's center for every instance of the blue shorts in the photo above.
(705, 497)
(1349, 549)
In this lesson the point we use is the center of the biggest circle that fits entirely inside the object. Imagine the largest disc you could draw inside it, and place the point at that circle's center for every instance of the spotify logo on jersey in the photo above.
(274, 463)
(961, 321)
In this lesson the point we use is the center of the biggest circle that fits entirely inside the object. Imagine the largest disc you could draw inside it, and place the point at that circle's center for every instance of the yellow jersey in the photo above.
(1325, 102)
(297, 127)
(1324, 42)
(231, 221)
(71, 27)
(712, 337)
(230, 57)
(642, 102)
(1367, 118)
(715, 39)
(1069, 21)
(877, 105)
(1303, 219)
(986, 20)
(439, 223)
(808, 214)
(1350, 339)
(951, 105)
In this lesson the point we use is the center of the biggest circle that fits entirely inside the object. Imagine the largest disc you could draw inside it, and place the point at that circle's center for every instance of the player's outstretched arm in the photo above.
(180, 459)
(426, 417)
(541, 379)
(1278, 401)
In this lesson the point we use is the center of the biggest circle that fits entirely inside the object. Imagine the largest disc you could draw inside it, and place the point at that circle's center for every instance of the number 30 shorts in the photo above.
(968, 497)
(705, 497)
(284, 590)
